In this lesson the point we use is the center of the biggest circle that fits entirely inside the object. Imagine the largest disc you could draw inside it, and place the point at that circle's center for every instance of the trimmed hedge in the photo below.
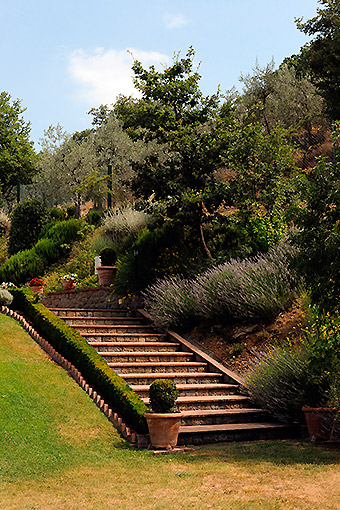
(75, 349)
(55, 242)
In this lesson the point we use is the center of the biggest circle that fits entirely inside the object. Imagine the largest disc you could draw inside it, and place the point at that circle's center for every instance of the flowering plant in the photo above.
(69, 276)
(36, 282)
(7, 285)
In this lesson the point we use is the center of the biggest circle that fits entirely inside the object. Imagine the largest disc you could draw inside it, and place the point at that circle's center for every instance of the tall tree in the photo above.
(321, 56)
(17, 156)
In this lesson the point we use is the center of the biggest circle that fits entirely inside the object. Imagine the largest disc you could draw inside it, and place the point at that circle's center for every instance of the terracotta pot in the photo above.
(37, 289)
(69, 284)
(106, 275)
(319, 421)
(163, 429)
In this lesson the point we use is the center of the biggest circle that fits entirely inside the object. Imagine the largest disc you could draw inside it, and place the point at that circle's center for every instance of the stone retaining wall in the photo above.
(95, 297)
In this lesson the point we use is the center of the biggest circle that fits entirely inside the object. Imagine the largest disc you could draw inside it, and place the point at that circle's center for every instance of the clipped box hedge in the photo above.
(74, 348)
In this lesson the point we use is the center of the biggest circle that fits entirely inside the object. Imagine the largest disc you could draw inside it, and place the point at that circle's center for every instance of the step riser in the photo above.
(155, 369)
(96, 330)
(218, 419)
(155, 347)
(238, 435)
(124, 338)
(197, 392)
(210, 406)
(133, 358)
(90, 313)
(187, 379)
(103, 321)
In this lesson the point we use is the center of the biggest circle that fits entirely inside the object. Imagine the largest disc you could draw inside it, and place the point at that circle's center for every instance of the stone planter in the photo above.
(69, 284)
(106, 275)
(37, 289)
(320, 421)
(163, 429)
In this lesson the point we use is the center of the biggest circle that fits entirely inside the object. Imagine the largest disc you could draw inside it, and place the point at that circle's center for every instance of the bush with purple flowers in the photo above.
(251, 289)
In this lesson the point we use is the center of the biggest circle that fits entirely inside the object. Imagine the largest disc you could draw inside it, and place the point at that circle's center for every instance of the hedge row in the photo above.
(56, 243)
(75, 349)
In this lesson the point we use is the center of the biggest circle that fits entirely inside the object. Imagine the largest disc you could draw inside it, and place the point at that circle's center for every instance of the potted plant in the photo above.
(69, 281)
(163, 422)
(36, 285)
(107, 270)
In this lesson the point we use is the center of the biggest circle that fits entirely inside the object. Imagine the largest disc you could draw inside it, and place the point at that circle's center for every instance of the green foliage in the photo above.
(71, 211)
(94, 217)
(320, 56)
(57, 213)
(75, 349)
(17, 156)
(57, 241)
(319, 235)
(28, 219)
(163, 394)
(6, 297)
(108, 256)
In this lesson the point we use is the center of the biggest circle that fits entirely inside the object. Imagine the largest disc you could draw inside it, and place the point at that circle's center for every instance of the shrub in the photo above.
(75, 349)
(20, 267)
(279, 382)
(71, 211)
(28, 219)
(163, 394)
(255, 288)
(123, 223)
(6, 297)
(94, 217)
(108, 256)
(57, 213)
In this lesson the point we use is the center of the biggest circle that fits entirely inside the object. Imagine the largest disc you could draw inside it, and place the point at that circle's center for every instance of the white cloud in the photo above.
(174, 20)
(102, 75)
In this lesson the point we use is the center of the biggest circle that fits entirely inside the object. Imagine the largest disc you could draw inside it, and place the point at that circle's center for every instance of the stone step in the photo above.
(124, 337)
(75, 321)
(143, 357)
(89, 312)
(202, 402)
(104, 347)
(113, 329)
(147, 378)
(158, 367)
(193, 389)
(202, 434)
(218, 416)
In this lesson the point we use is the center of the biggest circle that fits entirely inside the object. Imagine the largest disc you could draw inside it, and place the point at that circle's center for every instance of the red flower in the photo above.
(36, 282)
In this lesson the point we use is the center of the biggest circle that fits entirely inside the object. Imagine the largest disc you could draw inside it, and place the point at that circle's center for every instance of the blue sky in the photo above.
(64, 57)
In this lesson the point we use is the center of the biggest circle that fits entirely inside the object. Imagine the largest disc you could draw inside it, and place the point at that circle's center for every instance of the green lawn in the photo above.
(57, 451)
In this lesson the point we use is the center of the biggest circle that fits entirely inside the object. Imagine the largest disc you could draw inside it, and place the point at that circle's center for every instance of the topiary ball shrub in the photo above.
(108, 256)
(6, 297)
(163, 394)
(28, 220)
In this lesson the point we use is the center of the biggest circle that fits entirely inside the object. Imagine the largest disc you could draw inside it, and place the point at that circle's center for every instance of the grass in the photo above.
(57, 451)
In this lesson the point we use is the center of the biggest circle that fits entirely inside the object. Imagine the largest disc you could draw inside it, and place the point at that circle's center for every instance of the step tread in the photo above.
(115, 326)
(52, 309)
(145, 344)
(157, 364)
(231, 427)
(206, 398)
(147, 353)
(218, 412)
(170, 375)
(183, 387)
(122, 335)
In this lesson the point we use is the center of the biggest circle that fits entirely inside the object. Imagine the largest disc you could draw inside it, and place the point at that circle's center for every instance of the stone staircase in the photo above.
(213, 409)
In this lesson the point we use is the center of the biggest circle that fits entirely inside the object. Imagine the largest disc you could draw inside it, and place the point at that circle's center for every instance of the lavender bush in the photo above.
(254, 288)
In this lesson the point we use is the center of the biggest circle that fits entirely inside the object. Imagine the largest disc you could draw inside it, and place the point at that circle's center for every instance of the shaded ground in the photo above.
(236, 345)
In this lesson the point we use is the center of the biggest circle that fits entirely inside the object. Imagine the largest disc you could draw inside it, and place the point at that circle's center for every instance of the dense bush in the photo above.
(94, 217)
(75, 349)
(28, 219)
(255, 288)
(163, 394)
(22, 266)
(123, 223)
(279, 382)
(108, 256)
(57, 213)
